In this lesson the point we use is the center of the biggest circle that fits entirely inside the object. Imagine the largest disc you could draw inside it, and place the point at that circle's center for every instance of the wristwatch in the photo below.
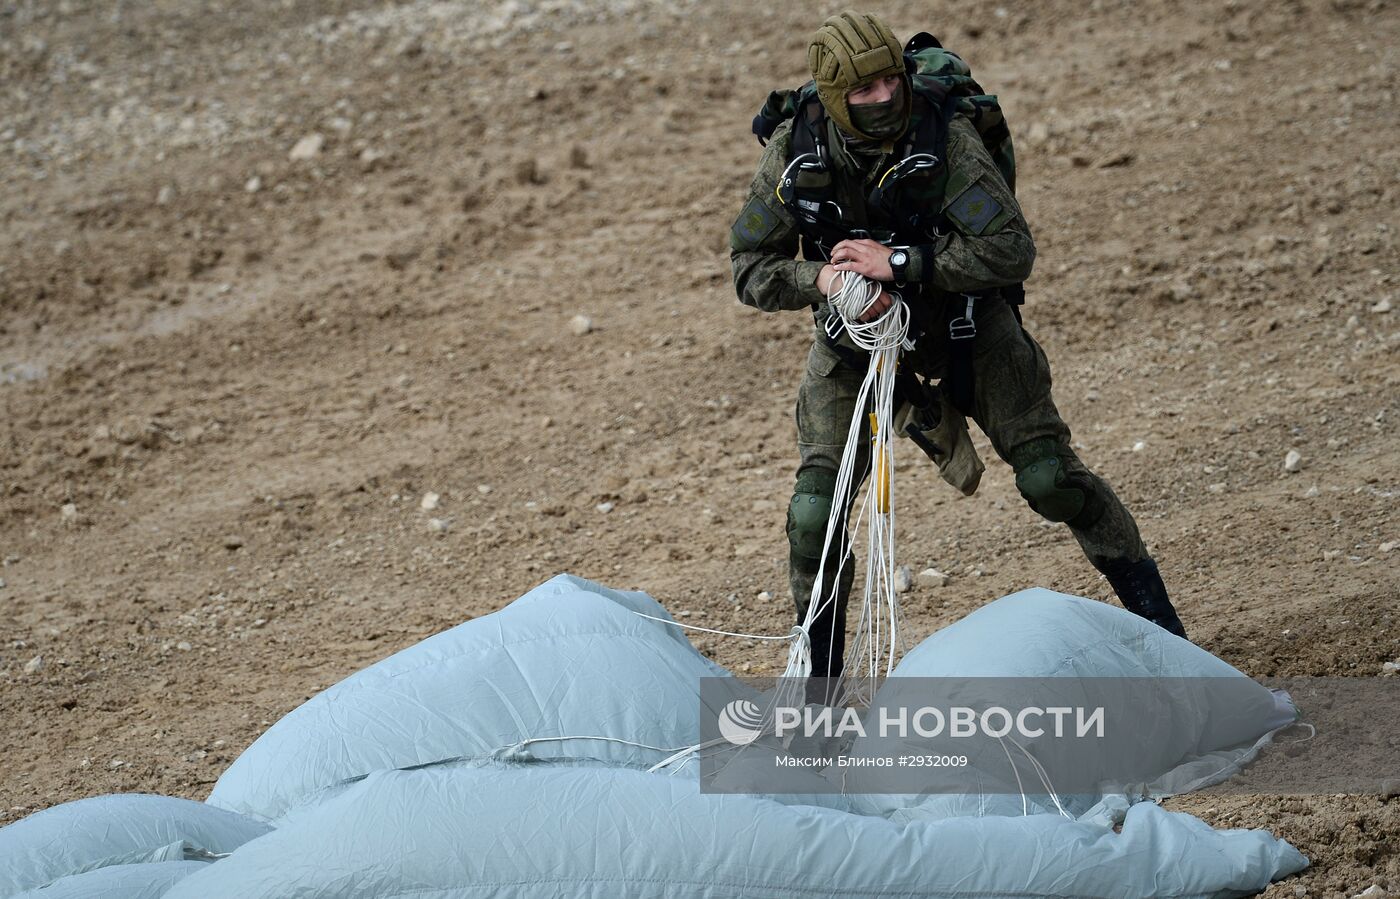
(899, 260)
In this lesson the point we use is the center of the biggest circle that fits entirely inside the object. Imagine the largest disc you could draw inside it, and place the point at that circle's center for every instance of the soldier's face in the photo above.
(876, 92)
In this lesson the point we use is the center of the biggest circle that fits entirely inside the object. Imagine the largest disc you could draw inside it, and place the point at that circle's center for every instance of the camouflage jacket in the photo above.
(988, 246)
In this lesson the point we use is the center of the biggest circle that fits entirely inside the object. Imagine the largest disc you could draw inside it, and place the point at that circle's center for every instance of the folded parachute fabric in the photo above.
(509, 757)
(529, 831)
(118, 830)
(568, 659)
(1202, 720)
(148, 880)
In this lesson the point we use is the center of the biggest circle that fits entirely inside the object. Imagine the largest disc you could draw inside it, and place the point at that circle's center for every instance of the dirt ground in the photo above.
(229, 376)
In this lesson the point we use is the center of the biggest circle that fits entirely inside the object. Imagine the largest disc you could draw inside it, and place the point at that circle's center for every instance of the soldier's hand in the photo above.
(867, 257)
(829, 279)
(877, 308)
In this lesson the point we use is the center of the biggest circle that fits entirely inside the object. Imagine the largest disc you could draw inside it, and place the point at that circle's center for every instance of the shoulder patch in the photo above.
(755, 222)
(974, 209)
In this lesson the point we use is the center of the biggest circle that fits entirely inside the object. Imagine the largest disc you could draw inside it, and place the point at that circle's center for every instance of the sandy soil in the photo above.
(228, 376)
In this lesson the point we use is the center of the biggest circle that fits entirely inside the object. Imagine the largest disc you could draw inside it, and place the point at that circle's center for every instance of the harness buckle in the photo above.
(833, 325)
(964, 327)
(907, 166)
(961, 329)
(806, 162)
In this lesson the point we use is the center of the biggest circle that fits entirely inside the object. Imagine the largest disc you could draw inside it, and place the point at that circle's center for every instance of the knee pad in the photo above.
(1047, 489)
(1051, 489)
(809, 512)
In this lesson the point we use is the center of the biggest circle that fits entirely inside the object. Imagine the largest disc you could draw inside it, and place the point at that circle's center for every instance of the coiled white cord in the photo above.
(854, 297)
(877, 637)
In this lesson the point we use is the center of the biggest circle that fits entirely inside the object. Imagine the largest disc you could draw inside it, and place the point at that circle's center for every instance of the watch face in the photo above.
(899, 257)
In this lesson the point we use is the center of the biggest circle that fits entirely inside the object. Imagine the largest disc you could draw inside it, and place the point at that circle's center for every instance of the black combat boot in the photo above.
(1139, 587)
(827, 659)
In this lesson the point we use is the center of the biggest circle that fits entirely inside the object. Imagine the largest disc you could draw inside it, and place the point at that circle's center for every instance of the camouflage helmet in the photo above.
(849, 51)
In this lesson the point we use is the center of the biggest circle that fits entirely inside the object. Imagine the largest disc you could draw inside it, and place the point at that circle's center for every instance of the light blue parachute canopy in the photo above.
(530, 831)
(510, 756)
(123, 829)
(149, 880)
(1042, 633)
(568, 659)
(1207, 718)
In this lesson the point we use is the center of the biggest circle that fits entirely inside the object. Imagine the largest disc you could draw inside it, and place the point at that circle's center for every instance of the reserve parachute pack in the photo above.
(933, 71)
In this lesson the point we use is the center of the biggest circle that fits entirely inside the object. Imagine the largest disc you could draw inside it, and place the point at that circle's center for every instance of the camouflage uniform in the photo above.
(990, 245)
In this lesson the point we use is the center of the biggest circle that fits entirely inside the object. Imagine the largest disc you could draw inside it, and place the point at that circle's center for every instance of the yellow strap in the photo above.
(882, 472)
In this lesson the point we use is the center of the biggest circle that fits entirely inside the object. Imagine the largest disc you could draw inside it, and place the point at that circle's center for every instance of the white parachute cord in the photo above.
(798, 666)
(867, 647)
(883, 337)
(791, 635)
(1025, 806)
(529, 740)
(674, 753)
(687, 754)
(800, 663)
(1044, 777)
(878, 635)
(880, 605)
(797, 637)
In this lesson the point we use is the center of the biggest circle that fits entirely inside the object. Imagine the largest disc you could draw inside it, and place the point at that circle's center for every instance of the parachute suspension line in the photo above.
(529, 741)
(710, 630)
(1040, 772)
(877, 638)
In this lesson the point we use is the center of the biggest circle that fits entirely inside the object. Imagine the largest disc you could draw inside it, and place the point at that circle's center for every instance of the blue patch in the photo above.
(974, 209)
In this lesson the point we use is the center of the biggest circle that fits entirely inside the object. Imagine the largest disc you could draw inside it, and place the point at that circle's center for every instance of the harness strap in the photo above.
(929, 142)
(907, 386)
(821, 221)
(962, 332)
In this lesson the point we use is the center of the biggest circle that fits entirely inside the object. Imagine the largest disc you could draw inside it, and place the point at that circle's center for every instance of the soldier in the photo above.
(954, 244)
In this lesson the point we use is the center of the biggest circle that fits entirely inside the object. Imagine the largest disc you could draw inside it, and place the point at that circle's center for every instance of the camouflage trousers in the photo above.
(1013, 407)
